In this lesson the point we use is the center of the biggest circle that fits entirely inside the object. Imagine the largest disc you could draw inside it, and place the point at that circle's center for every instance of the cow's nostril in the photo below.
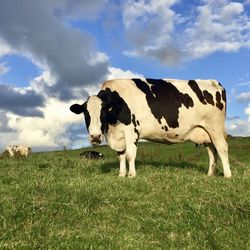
(95, 137)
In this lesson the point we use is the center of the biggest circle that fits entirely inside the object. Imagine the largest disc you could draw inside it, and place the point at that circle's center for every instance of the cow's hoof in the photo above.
(131, 175)
(122, 175)
(210, 174)
(227, 175)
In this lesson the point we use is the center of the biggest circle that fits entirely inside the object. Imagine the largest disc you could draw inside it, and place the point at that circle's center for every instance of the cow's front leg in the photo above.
(132, 135)
(122, 160)
(130, 156)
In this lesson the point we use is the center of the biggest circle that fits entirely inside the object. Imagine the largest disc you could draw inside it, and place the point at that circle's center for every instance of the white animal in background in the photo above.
(20, 150)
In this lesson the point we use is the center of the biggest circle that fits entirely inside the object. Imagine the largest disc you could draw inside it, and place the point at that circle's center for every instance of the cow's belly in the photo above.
(196, 134)
(167, 138)
(115, 138)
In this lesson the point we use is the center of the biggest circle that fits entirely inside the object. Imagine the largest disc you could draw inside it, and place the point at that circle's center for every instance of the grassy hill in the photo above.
(57, 200)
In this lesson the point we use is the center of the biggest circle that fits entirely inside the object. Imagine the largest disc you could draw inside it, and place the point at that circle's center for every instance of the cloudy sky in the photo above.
(55, 53)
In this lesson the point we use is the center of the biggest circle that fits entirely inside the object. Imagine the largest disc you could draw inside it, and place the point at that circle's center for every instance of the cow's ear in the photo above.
(77, 108)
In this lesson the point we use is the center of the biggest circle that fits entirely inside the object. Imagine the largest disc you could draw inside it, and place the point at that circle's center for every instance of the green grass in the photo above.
(58, 201)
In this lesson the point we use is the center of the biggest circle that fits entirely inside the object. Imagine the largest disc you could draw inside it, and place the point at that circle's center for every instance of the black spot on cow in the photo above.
(224, 98)
(165, 128)
(136, 131)
(134, 120)
(114, 109)
(87, 118)
(138, 135)
(204, 96)
(120, 152)
(136, 123)
(195, 87)
(219, 104)
(164, 100)
(208, 97)
(223, 94)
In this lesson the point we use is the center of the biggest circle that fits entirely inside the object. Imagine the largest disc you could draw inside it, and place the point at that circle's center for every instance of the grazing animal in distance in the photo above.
(18, 150)
(91, 155)
(161, 110)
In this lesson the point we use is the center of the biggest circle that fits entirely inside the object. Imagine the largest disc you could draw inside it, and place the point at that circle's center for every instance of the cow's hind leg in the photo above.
(221, 146)
(122, 159)
(213, 157)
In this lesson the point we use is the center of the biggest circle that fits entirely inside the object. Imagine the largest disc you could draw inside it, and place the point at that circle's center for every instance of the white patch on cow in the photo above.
(122, 159)
(94, 106)
(115, 138)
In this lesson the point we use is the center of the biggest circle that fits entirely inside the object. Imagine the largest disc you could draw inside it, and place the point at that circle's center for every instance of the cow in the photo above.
(91, 155)
(18, 150)
(161, 110)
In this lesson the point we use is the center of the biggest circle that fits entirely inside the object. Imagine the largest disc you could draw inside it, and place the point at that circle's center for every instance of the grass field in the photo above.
(56, 200)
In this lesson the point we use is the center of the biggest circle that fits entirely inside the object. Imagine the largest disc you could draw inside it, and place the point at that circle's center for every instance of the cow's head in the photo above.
(93, 112)
(100, 111)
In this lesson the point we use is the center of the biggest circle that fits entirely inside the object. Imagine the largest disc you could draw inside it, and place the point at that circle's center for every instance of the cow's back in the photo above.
(202, 92)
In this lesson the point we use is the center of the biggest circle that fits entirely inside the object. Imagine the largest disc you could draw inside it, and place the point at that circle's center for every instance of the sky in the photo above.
(56, 53)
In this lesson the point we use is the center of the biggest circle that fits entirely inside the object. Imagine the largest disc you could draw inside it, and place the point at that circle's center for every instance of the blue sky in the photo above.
(54, 53)
(21, 70)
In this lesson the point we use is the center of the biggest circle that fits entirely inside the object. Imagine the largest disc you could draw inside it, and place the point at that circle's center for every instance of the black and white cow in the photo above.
(167, 111)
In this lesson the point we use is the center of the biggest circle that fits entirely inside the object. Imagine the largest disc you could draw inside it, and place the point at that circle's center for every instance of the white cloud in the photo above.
(154, 30)
(219, 26)
(119, 73)
(113, 73)
(47, 132)
(79, 9)
(148, 26)
(243, 97)
(237, 126)
(43, 132)
(244, 80)
(45, 79)
(229, 11)
(243, 83)
(145, 10)
(247, 112)
(4, 48)
(93, 89)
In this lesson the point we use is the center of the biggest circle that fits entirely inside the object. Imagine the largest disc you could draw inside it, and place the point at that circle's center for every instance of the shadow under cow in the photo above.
(108, 166)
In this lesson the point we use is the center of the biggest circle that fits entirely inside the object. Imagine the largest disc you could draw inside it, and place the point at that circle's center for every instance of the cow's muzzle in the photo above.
(95, 139)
